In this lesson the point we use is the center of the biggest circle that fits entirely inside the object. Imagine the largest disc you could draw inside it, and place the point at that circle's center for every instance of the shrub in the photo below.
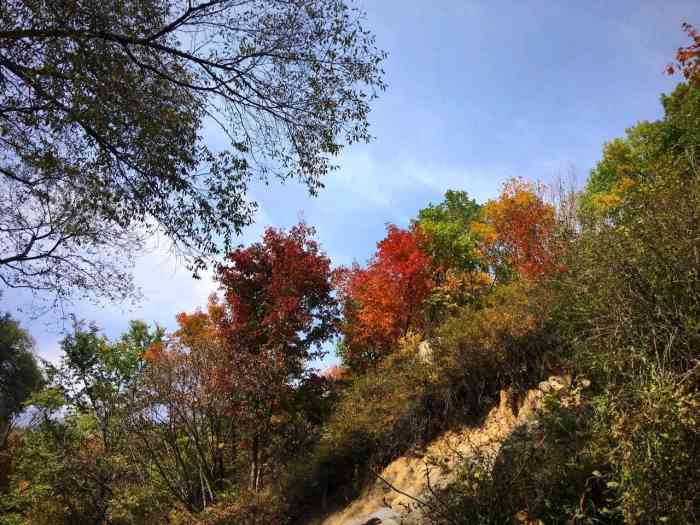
(503, 344)
(383, 413)
(540, 474)
(649, 435)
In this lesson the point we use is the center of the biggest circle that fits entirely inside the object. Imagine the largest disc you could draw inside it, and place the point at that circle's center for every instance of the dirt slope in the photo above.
(382, 503)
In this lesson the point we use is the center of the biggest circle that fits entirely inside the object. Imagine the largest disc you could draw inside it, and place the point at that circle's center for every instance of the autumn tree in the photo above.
(517, 232)
(688, 57)
(103, 110)
(629, 298)
(383, 301)
(181, 422)
(648, 154)
(279, 310)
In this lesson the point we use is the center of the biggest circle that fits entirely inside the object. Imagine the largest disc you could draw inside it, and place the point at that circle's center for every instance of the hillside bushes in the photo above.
(626, 311)
(420, 390)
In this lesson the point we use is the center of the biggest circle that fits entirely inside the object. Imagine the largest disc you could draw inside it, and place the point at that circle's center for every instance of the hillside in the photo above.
(401, 489)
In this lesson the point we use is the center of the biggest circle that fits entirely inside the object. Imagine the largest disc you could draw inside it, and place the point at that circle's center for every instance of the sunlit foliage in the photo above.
(383, 301)
(517, 231)
(223, 420)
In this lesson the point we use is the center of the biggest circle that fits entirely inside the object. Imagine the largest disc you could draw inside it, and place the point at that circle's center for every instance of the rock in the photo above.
(425, 352)
(384, 516)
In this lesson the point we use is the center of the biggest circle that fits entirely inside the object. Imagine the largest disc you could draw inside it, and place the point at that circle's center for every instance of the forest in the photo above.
(227, 419)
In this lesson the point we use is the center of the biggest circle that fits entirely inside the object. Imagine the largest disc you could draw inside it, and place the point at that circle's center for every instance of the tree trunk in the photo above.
(324, 494)
(255, 464)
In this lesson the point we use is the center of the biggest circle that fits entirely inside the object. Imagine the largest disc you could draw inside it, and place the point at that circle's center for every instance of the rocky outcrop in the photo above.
(394, 498)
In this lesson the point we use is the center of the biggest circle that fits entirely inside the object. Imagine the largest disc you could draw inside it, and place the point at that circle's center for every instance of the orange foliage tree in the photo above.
(518, 231)
(183, 423)
(383, 301)
(688, 57)
(241, 367)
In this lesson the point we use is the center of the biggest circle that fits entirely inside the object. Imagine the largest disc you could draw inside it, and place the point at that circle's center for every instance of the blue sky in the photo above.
(478, 92)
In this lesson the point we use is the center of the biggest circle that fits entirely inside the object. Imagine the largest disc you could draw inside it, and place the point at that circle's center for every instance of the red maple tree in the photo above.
(278, 309)
(383, 301)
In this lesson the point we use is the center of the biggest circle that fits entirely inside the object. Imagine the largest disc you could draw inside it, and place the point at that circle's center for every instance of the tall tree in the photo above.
(182, 423)
(447, 228)
(103, 108)
(279, 309)
(95, 373)
(460, 271)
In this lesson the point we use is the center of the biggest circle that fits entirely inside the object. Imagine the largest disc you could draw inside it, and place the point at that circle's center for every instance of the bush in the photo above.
(540, 474)
(382, 414)
(507, 343)
(630, 306)
(650, 438)
(627, 309)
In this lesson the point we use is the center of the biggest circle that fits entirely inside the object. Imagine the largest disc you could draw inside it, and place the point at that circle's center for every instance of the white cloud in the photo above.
(478, 182)
(359, 181)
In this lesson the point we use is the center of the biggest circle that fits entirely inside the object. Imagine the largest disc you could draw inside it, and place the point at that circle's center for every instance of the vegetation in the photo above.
(624, 305)
(224, 420)
(20, 375)
(103, 105)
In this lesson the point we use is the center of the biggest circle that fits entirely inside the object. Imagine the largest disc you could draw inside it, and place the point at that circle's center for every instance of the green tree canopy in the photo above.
(19, 372)
(447, 226)
(650, 151)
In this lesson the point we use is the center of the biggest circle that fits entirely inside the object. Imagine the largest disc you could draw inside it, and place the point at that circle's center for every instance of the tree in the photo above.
(279, 309)
(103, 107)
(447, 228)
(94, 373)
(62, 471)
(383, 301)
(19, 373)
(20, 376)
(649, 153)
(180, 420)
(73, 461)
(688, 57)
(518, 231)
(460, 270)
